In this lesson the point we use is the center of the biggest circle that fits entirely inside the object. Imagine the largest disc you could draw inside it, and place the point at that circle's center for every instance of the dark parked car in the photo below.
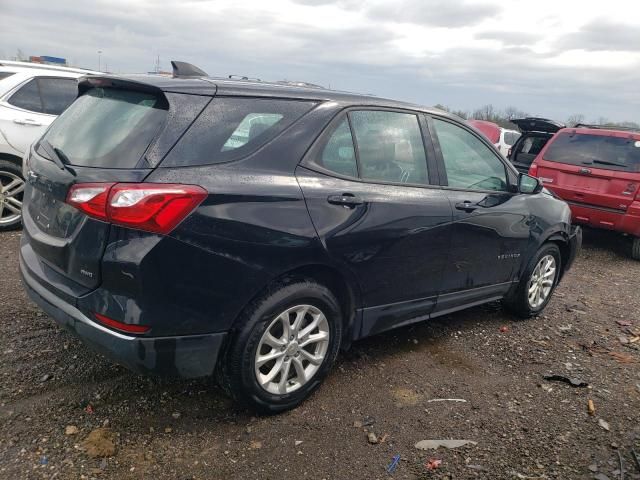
(198, 226)
(536, 132)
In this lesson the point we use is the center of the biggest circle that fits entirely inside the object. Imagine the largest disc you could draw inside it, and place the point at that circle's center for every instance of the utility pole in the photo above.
(99, 53)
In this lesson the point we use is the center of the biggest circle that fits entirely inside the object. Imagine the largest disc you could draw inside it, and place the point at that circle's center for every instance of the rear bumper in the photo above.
(185, 356)
(609, 219)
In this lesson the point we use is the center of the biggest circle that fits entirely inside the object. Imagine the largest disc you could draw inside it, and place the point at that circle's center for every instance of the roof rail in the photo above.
(243, 77)
(607, 127)
(296, 83)
(186, 70)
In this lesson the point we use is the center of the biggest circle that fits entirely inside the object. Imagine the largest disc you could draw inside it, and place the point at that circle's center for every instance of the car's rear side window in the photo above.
(510, 137)
(27, 97)
(598, 151)
(109, 128)
(57, 94)
(233, 127)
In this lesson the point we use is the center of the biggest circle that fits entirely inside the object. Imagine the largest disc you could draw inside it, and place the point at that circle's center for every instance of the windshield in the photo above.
(600, 151)
(108, 127)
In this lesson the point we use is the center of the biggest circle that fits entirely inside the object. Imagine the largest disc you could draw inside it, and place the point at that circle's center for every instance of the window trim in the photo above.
(308, 160)
(510, 171)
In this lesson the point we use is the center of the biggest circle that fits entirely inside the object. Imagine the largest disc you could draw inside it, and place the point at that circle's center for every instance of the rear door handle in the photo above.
(27, 121)
(467, 206)
(346, 200)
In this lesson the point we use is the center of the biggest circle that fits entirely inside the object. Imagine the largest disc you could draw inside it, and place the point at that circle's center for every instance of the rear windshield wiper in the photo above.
(56, 155)
(615, 164)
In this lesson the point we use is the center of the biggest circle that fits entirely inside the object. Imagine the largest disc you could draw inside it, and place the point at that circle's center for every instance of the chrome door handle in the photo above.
(27, 121)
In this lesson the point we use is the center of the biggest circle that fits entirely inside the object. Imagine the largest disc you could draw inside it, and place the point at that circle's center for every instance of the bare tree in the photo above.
(575, 119)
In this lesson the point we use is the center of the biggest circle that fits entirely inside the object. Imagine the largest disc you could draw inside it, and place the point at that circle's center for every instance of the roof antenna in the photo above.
(186, 70)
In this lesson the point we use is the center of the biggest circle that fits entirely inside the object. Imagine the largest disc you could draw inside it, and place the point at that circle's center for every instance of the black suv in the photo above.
(192, 226)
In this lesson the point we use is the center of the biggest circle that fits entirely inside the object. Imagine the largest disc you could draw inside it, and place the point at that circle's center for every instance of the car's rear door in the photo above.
(369, 186)
(106, 136)
(32, 107)
(490, 229)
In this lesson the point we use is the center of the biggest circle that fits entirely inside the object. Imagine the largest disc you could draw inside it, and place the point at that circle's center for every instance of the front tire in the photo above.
(285, 344)
(11, 192)
(537, 284)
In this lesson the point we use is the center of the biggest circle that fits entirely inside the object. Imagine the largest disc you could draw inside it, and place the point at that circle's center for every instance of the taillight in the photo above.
(153, 207)
(533, 170)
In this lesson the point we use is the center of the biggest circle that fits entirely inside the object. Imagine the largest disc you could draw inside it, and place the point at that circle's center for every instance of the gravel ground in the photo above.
(525, 426)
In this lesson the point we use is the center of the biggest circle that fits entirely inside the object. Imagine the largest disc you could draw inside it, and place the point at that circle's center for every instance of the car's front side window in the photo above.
(28, 97)
(390, 146)
(468, 162)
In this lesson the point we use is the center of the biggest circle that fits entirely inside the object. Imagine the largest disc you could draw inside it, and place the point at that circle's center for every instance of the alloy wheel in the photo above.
(292, 349)
(11, 192)
(541, 281)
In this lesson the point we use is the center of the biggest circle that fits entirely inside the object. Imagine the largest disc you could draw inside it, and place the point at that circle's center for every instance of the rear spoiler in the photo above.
(106, 81)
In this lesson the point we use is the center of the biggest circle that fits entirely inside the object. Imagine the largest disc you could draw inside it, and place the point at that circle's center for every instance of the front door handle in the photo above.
(467, 206)
(27, 121)
(348, 200)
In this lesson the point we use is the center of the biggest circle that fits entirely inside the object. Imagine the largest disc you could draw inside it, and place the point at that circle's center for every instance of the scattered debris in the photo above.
(476, 467)
(175, 415)
(168, 430)
(624, 323)
(504, 329)
(447, 400)
(591, 407)
(622, 357)
(384, 438)
(394, 464)
(565, 328)
(405, 397)
(593, 467)
(368, 421)
(435, 444)
(604, 424)
(298, 442)
(44, 460)
(601, 476)
(71, 430)
(433, 463)
(99, 443)
(89, 409)
(621, 465)
(45, 377)
(574, 382)
(255, 445)
(623, 340)
(372, 438)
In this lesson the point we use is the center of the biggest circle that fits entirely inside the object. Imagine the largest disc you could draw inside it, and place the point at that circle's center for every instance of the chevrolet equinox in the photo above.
(199, 226)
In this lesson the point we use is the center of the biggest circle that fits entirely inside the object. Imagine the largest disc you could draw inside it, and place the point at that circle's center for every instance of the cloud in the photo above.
(438, 13)
(509, 38)
(604, 35)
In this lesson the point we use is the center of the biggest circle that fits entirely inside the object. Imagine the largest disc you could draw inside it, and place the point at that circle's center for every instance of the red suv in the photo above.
(597, 171)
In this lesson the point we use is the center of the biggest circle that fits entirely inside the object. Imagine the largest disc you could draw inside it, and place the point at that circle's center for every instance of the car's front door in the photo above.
(367, 183)
(491, 226)
(27, 113)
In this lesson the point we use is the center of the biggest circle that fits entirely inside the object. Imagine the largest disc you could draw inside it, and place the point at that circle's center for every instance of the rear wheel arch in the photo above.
(562, 242)
(11, 158)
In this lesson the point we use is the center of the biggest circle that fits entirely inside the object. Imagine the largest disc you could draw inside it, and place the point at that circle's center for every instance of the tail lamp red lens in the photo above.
(152, 207)
(123, 327)
(533, 170)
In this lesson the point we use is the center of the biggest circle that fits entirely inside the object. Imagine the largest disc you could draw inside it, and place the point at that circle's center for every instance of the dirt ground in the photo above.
(525, 427)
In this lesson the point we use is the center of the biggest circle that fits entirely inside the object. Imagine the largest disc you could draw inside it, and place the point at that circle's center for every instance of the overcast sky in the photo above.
(551, 58)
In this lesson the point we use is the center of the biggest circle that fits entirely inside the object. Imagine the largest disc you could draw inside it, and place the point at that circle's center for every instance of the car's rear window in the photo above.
(598, 151)
(233, 127)
(108, 128)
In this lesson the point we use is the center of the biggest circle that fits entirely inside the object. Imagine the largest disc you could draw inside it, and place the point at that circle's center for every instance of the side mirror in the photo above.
(529, 184)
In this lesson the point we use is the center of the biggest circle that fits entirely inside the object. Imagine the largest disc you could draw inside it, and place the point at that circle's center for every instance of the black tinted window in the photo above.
(599, 151)
(390, 146)
(27, 97)
(469, 163)
(57, 93)
(338, 154)
(232, 127)
(108, 127)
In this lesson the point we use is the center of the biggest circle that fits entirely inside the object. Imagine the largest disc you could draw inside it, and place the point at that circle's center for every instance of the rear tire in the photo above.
(635, 249)
(537, 283)
(270, 367)
(11, 192)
